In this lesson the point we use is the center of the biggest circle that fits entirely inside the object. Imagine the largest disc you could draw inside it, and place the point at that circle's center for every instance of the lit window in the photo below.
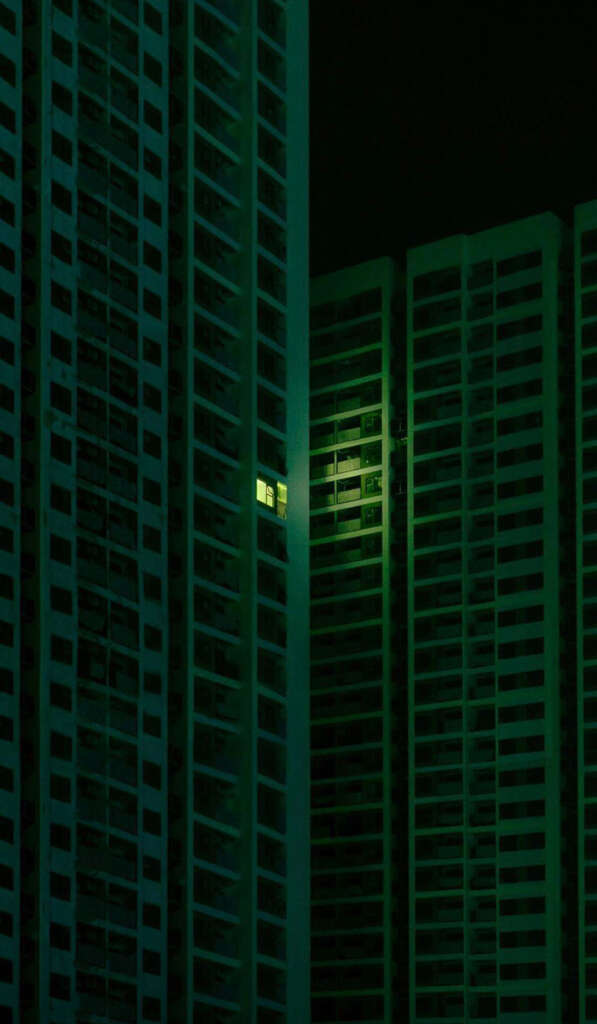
(282, 499)
(274, 496)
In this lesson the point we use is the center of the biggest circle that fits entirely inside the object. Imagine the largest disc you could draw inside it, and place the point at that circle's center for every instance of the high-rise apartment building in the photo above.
(239, 512)
(355, 448)
(11, 74)
(585, 307)
(491, 651)
(154, 381)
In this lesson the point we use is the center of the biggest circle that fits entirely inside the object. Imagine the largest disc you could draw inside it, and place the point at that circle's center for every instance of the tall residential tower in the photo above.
(154, 386)
(355, 449)
(492, 716)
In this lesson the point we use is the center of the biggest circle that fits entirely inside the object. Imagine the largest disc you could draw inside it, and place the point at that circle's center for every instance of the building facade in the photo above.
(491, 659)
(239, 512)
(153, 312)
(353, 448)
(585, 307)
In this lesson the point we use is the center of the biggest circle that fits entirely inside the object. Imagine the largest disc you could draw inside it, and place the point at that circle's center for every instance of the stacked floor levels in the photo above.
(351, 680)
(585, 268)
(153, 493)
(491, 673)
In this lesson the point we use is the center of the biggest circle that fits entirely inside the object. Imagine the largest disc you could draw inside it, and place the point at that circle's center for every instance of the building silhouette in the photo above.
(171, 536)
(154, 535)
(491, 628)
(351, 410)
(585, 319)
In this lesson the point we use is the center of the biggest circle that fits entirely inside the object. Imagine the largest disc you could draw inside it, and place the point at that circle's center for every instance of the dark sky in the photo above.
(432, 119)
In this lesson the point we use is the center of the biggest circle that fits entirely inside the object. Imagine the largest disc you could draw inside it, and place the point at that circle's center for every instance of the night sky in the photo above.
(433, 119)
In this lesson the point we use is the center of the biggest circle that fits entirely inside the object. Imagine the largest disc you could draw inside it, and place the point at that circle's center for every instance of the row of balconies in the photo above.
(220, 34)
(345, 338)
(346, 399)
(338, 613)
(345, 460)
(350, 368)
(344, 978)
(430, 314)
(342, 643)
(345, 793)
(350, 700)
(335, 916)
(367, 577)
(360, 517)
(356, 760)
(350, 428)
(359, 669)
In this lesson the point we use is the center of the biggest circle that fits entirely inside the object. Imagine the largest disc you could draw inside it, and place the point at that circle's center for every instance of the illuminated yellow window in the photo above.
(282, 499)
(274, 496)
(265, 493)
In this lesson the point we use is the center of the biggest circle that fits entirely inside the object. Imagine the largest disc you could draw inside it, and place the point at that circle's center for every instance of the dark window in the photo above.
(152, 303)
(7, 257)
(153, 19)
(61, 298)
(60, 397)
(152, 775)
(152, 539)
(152, 257)
(62, 49)
(7, 116)
(152, 68)
(152, 444)
(152, 116)
(62, 98)
(515, 264)
(8, 19)
(152, 587)
(152, 725)
(7, 164)
(7, 210)
(61, 197)
(62, 247)
(151, 1008)
(151, 822)
(152, 352)
(59, 936)
(152, 210)
(59, 886)
(60, 696)
(7, 303)
(61, 348)
(59, 986)
(151, 915)
(60, 499)
(61, 746)
(7, 492)
(152, 398)
(61, 650)
(152, 871)
(60, 549)
(60, 837)
(61, 600)
(152, 163)
(151, 960)
(152, 682)
(153, 638)
(152, 491)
